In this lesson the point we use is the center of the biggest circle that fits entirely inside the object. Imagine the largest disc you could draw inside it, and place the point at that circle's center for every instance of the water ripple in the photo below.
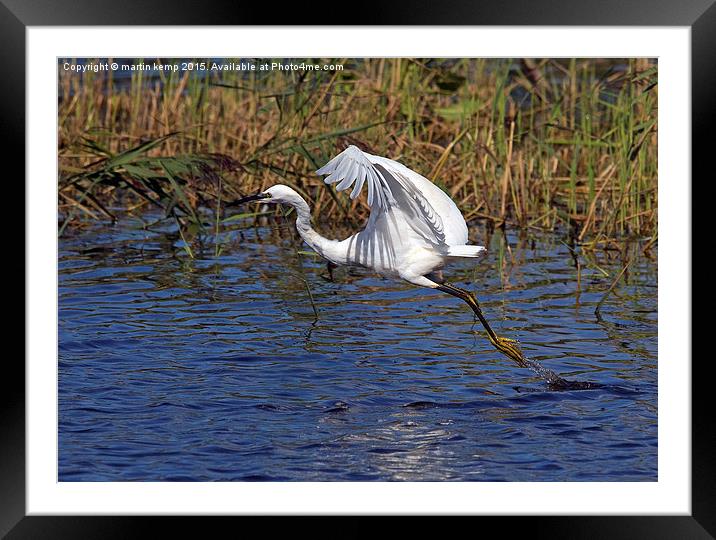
(218, 368)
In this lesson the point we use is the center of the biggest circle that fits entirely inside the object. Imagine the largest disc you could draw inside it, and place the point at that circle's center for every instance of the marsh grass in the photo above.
(533, 144)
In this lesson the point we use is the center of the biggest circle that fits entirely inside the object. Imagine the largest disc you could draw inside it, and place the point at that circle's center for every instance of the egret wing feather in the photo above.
(391, 184)
(438, 209)
(353, 166)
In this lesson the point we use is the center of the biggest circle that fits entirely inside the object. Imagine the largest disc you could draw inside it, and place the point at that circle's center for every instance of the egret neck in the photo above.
(326, 248)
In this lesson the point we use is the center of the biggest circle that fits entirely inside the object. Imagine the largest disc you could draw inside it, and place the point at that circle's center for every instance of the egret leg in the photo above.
(330, 267)
(506, 346)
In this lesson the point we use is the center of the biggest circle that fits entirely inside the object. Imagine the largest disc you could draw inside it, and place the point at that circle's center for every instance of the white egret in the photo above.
(414, 228)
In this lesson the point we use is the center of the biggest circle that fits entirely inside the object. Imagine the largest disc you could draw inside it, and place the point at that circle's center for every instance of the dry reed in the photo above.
(543, 143)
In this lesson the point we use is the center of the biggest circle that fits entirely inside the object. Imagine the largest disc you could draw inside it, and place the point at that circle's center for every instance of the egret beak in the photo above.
(257, 197)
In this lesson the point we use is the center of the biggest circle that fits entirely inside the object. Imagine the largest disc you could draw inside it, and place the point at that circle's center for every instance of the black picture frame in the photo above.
(699, 15)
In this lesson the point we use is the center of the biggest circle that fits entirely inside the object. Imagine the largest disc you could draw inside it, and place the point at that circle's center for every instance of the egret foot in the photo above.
(509, 348)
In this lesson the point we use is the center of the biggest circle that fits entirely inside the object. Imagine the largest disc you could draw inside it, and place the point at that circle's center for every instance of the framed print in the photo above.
(504, 331)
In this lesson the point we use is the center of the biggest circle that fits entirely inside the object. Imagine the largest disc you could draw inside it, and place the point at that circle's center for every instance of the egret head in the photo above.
(275, 194)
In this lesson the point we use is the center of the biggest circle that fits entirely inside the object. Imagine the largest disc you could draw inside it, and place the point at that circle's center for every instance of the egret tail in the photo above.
(465, 251)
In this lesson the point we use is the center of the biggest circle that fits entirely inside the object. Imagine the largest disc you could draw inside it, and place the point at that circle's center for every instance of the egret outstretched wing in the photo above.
(390, 184)
(354, 166)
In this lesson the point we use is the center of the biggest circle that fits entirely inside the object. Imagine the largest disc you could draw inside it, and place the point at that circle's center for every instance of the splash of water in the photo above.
(554, 381)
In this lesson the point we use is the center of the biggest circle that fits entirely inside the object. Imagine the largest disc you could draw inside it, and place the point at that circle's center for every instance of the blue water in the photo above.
(218, 368)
